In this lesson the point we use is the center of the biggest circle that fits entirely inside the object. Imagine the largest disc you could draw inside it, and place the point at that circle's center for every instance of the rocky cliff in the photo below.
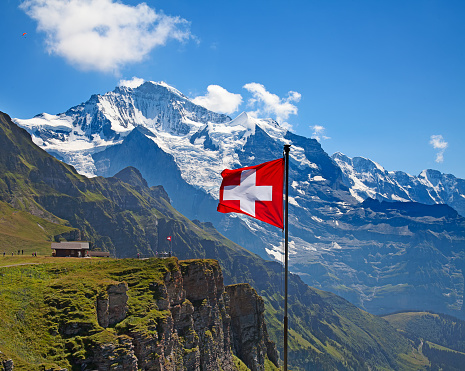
(196, 332)
(250, 338)
(163, 314)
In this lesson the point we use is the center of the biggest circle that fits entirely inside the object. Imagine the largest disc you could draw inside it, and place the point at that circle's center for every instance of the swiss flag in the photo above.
(168, 238)
(256, 191)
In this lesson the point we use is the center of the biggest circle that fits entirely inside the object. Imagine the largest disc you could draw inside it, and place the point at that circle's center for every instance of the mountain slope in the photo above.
(437, 328)
(21, 231)
(440, 337)
(327, 332)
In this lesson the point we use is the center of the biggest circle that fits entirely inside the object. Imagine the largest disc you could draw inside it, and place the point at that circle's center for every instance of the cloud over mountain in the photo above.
(269, 103)
(218, 99)
(319, 132)
(438, 142)
(135, 82)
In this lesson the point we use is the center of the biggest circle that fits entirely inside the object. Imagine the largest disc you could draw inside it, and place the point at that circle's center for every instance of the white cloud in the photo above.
(218, 99)
(268, 103)
(103, 35)
(438, 142)
(319, 132)
(135, 82)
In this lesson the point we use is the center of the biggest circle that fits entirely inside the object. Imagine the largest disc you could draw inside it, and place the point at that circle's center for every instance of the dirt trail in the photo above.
(15, 265)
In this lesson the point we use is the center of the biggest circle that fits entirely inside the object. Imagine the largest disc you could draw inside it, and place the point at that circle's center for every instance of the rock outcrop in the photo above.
(250, 338)
(112, 305)
(196, 323)
(115, 355)
(6, 364)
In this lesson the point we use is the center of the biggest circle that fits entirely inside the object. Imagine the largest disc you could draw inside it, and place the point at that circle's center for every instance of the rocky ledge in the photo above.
(194, 323)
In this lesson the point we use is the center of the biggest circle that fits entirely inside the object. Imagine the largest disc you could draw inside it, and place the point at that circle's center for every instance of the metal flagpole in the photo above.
(287, 148)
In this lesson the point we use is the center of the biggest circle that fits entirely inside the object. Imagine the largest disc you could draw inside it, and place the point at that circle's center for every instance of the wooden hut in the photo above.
(76, 249)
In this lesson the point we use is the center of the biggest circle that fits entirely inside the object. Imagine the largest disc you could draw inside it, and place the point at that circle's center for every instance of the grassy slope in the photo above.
(440, 329)
(20, 230)
(23, 165)
(111, 214)
(39, 299)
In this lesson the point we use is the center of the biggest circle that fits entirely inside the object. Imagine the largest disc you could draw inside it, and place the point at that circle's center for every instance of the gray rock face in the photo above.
(196, 332)
(113, 305)
(250, 338)
(6, 364)
(117, 355)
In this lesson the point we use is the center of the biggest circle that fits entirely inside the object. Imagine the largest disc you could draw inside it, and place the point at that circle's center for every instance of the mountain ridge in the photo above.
(366, 178)
(336, 243)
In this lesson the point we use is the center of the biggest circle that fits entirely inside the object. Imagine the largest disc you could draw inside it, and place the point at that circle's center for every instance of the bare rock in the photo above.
(117, 355)
(194, 325)
(112, 305)
(175, 287)
(6, 363)
(202, 280)
(250, 337)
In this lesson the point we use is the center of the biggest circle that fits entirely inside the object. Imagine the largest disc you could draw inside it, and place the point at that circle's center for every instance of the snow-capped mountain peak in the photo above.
(169, 87)
(241, 128)
(245, 121)
(202, 142)
(366, 178)
(105, 120)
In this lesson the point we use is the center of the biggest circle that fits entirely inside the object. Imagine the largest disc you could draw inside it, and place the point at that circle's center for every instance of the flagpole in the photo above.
(287, 148)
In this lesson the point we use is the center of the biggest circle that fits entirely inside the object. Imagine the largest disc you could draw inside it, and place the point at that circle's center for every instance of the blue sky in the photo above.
(378, 79)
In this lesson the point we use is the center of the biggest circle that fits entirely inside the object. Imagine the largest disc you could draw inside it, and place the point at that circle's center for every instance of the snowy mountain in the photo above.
(202, 143)
(357, 250)
(366, 178)
(105, 120)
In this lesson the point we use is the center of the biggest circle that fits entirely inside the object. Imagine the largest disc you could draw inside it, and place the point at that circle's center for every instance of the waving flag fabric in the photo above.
(256, 191)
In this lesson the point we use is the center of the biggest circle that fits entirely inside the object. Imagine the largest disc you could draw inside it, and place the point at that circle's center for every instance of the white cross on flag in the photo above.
(255, 190)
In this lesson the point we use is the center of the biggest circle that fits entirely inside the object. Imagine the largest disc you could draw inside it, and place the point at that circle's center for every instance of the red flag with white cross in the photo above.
(256, 191)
